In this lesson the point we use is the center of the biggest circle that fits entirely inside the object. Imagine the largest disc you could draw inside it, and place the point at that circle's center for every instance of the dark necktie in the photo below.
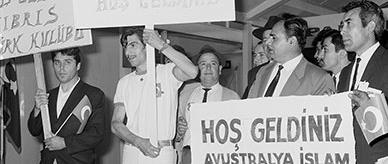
(335, 81)
(274, 82)
(355, 74)
(205, 94)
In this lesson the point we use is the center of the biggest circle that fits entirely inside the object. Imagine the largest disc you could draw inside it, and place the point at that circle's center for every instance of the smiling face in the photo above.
(210, 69)
(65, 67)
(260, 56)
(135, 51)
(355, 36)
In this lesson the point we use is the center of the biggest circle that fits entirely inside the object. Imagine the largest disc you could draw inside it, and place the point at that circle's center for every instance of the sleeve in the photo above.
(118, 97)
(94, 131)
(170, 75)
(35, 124)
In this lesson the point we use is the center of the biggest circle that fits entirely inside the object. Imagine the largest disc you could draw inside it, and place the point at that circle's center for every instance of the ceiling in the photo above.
(256, 13)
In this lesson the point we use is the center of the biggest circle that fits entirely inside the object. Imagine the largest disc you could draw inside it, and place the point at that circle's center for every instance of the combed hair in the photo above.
(297, 27)
(209, 49)
(370, 11)
(336, 39)
(138, 30)
(319, 36)
(74, 52)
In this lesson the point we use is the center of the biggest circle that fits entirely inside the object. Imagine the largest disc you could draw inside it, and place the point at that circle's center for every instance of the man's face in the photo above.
(209, 68)
(266, 36)
(135, 51)
(318, 49)
(65, 67)
(278, 43)
(330, 58)
(353, 33)
(259, 56)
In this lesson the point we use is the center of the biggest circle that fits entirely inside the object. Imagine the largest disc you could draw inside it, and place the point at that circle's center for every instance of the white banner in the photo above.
(283, 130)
(114, 13)
(34, 26)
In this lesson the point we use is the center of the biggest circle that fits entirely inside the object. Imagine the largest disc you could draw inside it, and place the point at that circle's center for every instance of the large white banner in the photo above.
(34, 26)
(283, 130)
(114, 13)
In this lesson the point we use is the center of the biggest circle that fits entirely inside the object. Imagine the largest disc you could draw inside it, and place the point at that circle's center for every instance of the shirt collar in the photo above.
(291, 64)
(365, 56)
(71, 89)
(214, 87)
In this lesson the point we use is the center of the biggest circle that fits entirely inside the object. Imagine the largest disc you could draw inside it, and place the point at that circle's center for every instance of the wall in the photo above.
(99, 67)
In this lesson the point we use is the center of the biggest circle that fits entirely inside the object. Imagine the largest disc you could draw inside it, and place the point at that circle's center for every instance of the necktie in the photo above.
(355, 74)
(205, 94)
(335, 81)
(274, 82)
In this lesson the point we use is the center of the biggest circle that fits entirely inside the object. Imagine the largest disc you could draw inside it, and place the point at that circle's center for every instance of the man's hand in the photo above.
(181, 128)
(153, 38)
(359, 98)
(55, 143)
(41, 98)
(145, 146)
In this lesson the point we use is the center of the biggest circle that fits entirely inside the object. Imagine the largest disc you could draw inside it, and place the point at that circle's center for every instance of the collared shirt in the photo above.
(285, 73)
(365, 57)
(63, 96)
(215, 94)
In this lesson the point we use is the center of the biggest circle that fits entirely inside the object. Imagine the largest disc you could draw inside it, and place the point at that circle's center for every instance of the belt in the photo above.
(164, 143)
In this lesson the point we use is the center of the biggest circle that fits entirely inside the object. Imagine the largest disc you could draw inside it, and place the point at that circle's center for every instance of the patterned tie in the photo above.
(355, 74)
(205, 94)
(274, 82)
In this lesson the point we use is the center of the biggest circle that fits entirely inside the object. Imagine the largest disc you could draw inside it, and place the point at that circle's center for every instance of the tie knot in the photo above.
(280, 67)
(358, 60)
(206, 89)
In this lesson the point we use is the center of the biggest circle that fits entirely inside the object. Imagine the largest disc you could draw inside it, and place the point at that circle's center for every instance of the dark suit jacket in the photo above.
(251, 78)
(79, 148)
(376, 73)
(307, 79)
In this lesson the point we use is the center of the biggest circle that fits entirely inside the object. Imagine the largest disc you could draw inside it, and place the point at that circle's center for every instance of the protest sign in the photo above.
(30, 27)
(114, 13)
(281, 130)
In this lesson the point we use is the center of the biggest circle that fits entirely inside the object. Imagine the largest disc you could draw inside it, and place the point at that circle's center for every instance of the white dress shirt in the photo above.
(285, 73)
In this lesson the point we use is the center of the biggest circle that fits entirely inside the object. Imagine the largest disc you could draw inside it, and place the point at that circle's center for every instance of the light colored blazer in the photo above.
(307, 79)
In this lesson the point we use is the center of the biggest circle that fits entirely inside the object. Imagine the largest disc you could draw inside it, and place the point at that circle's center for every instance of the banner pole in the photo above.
(42, 85)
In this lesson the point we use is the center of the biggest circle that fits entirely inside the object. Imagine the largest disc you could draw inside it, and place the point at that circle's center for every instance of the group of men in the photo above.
(281, 71)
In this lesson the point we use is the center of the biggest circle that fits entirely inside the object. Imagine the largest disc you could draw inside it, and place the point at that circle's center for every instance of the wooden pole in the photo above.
(42, 85)
(152, 99)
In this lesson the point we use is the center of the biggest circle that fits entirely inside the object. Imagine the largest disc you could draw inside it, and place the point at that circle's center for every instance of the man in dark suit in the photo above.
(289, 73)
(75, 111)
(361, 27)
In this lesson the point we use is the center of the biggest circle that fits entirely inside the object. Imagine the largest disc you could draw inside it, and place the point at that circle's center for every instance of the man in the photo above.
(261, 48)
(317, 43)
(208, 90)
(333, 57)
(361, 28)
(76, 114)
(131, 96)
(289, 73)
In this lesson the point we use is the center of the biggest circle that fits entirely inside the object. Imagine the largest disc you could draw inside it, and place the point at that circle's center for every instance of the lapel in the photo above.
(53, 107)
(344, 78)
(262, 78)
(74, 98)
(293, 81)
(374, 64)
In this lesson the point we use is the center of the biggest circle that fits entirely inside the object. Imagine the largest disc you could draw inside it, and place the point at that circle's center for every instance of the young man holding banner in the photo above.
(361, 28)
(76, 114)
(130, 121)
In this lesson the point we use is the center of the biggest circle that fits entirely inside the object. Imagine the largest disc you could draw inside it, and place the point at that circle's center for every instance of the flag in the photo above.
(11, 111)
(373, 117)
(83, 111)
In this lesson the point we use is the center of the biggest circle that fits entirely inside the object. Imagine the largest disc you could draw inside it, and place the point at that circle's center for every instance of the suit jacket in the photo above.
(306, 79)
(251, 78)
(79, 147)
(376, 73)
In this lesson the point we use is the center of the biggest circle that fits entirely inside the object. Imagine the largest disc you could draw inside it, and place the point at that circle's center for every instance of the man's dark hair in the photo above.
(74, 52)
(336, 39)
(209, 49)
(319, 37)
(297, 27)
(370, 11)
(131, 31)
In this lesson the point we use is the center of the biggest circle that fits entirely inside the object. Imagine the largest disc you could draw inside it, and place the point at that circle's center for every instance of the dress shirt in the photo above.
(285, 73)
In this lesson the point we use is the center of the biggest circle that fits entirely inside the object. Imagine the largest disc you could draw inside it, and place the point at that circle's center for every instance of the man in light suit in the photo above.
(290, 73)
(361, 27)
(76, 111)
(208, 90)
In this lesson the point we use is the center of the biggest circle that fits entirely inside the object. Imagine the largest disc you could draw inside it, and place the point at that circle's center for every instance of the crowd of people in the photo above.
(344, 58)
